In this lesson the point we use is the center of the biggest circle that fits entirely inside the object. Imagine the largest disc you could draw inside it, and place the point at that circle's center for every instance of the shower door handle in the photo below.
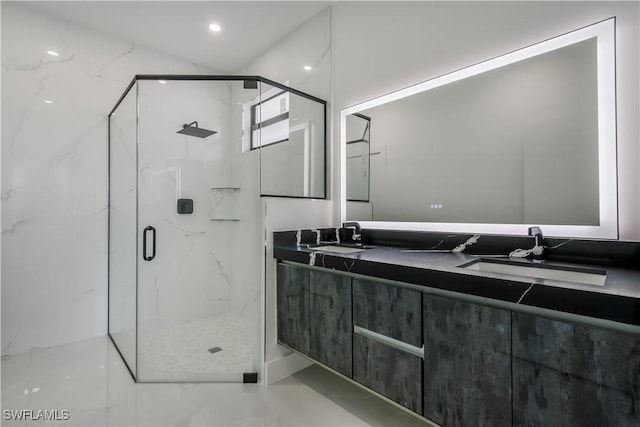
(144, 243)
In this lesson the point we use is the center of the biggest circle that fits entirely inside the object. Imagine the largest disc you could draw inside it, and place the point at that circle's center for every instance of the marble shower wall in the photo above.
(54, 173)
(206, 262)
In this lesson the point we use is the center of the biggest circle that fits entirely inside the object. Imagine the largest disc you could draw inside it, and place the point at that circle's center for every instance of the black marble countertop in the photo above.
(617, 300)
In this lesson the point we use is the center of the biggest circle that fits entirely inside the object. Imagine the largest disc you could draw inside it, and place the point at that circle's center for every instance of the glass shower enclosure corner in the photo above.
(184, 241)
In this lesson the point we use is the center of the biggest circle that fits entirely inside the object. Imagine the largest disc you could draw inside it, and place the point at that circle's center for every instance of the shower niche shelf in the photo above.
(224, 219)
(225, 188)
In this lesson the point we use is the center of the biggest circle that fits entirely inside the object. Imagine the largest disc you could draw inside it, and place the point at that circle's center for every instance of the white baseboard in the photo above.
(279, 369)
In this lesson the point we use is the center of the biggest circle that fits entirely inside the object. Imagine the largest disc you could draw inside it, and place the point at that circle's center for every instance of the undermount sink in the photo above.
(581, 276)
(339, 249)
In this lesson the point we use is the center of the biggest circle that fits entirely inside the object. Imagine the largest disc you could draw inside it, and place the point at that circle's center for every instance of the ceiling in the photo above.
(181, 28)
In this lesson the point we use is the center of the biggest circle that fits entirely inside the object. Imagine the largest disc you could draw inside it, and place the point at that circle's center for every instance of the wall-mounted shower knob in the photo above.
(185, 206)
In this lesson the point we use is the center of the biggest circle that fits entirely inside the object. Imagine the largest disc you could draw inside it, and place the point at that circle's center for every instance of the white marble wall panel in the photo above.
(54, 173)
(190, 276)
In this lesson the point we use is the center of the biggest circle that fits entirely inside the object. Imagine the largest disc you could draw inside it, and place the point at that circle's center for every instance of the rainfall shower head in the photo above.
(192, 129)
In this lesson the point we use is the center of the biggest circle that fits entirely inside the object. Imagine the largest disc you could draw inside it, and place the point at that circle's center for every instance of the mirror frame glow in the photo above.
(604, 32)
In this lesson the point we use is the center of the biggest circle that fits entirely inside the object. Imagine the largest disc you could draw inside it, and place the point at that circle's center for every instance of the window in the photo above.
(270, 120)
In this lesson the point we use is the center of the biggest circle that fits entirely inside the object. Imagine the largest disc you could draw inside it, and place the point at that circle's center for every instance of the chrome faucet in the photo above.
(538, 238)
(356, 236)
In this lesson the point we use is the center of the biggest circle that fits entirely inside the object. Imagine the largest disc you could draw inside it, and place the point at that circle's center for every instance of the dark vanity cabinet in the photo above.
(314, 315)
(483, 366)
(330, 327)
(574, 375)
(292, 299)
(467, 363)
(385, 318)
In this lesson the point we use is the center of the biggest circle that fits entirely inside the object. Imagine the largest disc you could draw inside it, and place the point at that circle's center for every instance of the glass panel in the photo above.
(295, 166)
(270, 118)
(198, 297)
(357, 128)
(122, 228)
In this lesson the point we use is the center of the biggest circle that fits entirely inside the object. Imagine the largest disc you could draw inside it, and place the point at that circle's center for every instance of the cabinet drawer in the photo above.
(388, 310)
(391, 372)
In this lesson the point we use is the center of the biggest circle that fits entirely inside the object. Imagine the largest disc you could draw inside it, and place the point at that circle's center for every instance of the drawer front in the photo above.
(388, 310)
(388, 371)
(293, 307)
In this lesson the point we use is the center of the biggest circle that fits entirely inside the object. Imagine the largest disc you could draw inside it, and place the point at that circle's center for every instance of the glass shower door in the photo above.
(197, 232)
(122, 228)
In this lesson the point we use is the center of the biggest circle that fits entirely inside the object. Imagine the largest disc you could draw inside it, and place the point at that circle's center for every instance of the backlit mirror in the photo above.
(527, 138)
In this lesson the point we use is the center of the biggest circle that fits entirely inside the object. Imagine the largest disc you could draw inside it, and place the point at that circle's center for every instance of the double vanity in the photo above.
(486, 328)
(452, 328)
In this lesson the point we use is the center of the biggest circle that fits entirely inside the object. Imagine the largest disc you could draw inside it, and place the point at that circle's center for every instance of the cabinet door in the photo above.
(331, 321)
(574, 375)
(293, 307)
(395, 313)
(467, 363)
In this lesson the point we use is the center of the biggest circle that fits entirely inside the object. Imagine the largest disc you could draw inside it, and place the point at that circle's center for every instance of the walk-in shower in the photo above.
(186, 171)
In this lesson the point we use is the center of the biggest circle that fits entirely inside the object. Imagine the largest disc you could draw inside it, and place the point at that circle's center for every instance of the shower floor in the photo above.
(183, 350)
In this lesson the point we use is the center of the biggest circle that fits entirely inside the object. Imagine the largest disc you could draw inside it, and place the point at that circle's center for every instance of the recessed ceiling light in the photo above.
(47, 101)
(215, 27)
(53, 53)
(162, 82)
(307, 67)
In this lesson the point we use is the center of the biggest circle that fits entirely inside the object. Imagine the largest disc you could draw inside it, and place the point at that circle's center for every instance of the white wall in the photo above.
(54, 173)
(310, 44)
(380, 47)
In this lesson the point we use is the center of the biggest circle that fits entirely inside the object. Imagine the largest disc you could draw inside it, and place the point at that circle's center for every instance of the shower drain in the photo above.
(214, 350)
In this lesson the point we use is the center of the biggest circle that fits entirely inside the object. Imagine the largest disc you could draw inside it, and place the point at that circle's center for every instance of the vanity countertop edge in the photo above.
(615, 305)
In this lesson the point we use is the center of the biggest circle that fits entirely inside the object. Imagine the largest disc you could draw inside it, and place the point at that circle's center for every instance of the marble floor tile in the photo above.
(90, 381)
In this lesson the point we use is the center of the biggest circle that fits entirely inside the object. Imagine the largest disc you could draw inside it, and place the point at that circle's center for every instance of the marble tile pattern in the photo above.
(570, 375)
(429, 260)
(390, 372)
(197, 273)
(330, 321)
(54, 172)
(467, 364)
(388, 310)
(293, 291)
(89, 380)
(598, 252)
